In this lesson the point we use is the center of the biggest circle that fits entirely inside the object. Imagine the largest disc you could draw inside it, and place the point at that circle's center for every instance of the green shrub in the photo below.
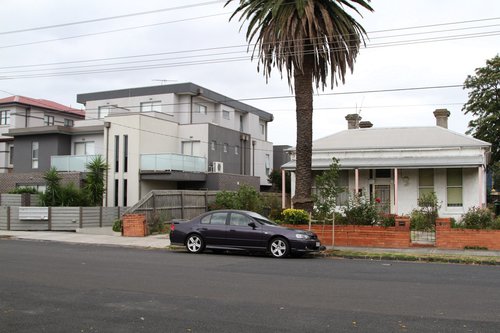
(117, 225)
(387, 220)
(479, 218)
(360, 211)
(420, 221)
(246, 198)
(22, 190)
(157, 224)
(295, 216)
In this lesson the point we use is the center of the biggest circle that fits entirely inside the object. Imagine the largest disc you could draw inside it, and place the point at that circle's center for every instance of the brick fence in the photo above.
(453, 238)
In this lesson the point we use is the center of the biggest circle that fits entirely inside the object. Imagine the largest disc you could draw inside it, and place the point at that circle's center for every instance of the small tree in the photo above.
(327, 186)
(276, 179)
(51, 197)
(94, 187)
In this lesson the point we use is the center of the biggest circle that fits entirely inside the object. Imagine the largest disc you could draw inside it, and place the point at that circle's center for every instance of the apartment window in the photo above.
(4, 117)
(116, 193)
(117, 152)
(200, 108)
(124, 193)
(85, 148)
(103, 111)
(212, 145)
(69, 122)
(34, 155)
(454, 187)
(225, 114)
(268, 164)
(151, 106)
(225, 147)
(11, 155)
(241, 123)
(262, 129)
(236, 150)
(425, 182)
(125, 153)
(48, 120)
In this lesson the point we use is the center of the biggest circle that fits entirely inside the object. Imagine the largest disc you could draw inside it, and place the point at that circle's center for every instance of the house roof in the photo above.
(41, 103)
(401, 147)
(179, 88)
(396, 138)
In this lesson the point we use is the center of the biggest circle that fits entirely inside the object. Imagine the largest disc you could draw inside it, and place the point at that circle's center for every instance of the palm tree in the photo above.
(94, 187)
(310, 39)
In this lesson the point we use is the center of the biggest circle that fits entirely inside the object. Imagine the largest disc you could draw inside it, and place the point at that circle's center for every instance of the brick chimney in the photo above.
(365, 124)
(353, 120)
(442, 117)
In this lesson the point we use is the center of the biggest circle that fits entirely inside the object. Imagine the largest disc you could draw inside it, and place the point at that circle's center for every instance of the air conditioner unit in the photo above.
(218, 167)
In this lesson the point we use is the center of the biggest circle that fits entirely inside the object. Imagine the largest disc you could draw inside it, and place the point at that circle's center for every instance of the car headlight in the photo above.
(302, 236)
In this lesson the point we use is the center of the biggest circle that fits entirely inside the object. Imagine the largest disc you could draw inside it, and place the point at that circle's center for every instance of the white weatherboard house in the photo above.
(396, 165)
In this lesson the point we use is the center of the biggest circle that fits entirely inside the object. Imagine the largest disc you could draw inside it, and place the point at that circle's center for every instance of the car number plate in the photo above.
(318, 244)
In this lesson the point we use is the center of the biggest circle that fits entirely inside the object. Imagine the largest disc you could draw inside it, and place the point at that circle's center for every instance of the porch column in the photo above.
(356, 181)
(396, 184)
(283, 192)
(480, 176)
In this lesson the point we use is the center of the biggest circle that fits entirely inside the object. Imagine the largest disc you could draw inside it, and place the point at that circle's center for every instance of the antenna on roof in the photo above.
(163, 81)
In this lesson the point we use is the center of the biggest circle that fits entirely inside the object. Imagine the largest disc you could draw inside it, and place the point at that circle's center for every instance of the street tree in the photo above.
(328, 189)
(484, 105)
(309, 40)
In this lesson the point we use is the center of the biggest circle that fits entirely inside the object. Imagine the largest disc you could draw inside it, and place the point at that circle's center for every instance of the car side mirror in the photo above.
(253, 225)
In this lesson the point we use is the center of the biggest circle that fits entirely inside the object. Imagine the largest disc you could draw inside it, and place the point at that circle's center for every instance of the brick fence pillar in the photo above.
(134, 225)
(402, 223)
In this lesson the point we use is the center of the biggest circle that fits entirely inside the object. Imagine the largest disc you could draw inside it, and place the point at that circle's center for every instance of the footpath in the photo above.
(103, 236)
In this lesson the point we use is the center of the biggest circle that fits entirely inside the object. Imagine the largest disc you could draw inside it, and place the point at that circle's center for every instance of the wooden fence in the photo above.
(59, 218)
(174, 204)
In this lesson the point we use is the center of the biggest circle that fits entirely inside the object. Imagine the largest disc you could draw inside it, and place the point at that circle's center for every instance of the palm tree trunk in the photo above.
(304, 114)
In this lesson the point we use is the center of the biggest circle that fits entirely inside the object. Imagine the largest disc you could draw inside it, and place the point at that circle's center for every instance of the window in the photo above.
(34, 155)
(241, 123)
(215, 218)
(268, 164)
(117, 152)
(262, 128)
(199, 108)
(116, 193)
(236, 150)
(124, 193)
(103, 111)
(212, 145)
(225, 114)
(69, 122)
(383, 173)
(239, 220)
(125, 153)
(48, 120)
(85, 148)
(454, 187)
(425, 182)
(151, 106)
(11, 155)
(225, 147)
(4, 117)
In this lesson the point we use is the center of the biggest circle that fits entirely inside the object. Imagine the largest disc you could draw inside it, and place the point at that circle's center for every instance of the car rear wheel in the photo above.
(279, 247)
(195, 243)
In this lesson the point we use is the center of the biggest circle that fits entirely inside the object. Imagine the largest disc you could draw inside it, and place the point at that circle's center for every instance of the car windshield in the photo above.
(261, 219)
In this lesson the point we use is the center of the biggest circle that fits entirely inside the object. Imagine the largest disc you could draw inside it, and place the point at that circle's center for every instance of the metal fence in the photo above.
(58, 218)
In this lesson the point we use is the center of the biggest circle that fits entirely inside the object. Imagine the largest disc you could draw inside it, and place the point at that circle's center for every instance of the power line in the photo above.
(110, 17)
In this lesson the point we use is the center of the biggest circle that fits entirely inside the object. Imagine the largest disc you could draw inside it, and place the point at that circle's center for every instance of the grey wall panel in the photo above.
(11, 199)
(109, 215)
(90, 217)
(65, 218)
(3, 218)
(26, 225)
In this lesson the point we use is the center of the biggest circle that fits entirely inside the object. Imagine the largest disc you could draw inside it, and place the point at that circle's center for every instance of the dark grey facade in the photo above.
(48, 145)
(280, 156)
(230, 147)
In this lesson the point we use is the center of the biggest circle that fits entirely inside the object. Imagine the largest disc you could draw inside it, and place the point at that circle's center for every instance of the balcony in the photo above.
(71, 163)
(173, 162)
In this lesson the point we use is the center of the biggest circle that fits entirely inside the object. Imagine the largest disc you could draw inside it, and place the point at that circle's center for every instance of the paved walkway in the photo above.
(162, 241)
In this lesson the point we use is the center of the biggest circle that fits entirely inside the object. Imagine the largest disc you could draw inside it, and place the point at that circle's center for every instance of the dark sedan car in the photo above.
(242, 230)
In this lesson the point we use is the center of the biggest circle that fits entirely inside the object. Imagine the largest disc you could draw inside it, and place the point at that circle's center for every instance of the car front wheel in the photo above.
(195, 244)
(279, 247)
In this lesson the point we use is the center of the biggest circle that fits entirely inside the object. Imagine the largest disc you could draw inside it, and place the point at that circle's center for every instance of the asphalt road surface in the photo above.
(54, 287)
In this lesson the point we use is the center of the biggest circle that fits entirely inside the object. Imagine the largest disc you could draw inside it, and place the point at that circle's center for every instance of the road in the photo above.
(55, 287)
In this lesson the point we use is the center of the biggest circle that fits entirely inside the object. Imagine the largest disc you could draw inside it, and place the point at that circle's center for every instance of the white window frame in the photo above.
(226, 114)
(35, 147)
(151, 106)
(48, 120)
(212, 144)
(201, 109)
(225, 147)
(5, 117)
(103, 111)
(460, 186)
(236, 150)
(88, 147)
(69, 122)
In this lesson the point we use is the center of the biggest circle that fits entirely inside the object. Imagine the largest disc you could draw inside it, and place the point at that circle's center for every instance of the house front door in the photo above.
(383, 194)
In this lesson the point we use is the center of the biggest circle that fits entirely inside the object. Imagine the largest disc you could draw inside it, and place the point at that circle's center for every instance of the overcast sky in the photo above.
(458, 37)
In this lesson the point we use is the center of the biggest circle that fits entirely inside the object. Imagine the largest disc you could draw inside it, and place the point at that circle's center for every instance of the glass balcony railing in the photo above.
(170, 161)
(73, 163)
